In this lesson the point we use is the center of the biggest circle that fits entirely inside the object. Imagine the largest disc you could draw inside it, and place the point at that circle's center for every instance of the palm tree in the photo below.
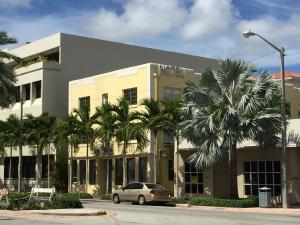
(7, 78)
(9, 137)
(66, 132)
(128, 127)
(84, 124)
(226, 108)
(172, 117)
(106, 120)
(152, 119)
(40, 135)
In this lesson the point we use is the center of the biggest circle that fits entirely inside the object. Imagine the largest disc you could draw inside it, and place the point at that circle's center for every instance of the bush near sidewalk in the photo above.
(63, 202)
(105, 197)
(81, 195)
(239, 203)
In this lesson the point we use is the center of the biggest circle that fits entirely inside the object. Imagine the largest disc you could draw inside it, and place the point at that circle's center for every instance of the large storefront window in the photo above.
(28, 166)
(82, 167)
(14, 167)
(258, 174)
(119, 172)
(74, 170)
(45, 165)
(92, 173)
(193, 179)
(143, 169)
(130, 170)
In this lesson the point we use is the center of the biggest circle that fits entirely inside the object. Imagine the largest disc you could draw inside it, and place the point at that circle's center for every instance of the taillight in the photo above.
(154, 192)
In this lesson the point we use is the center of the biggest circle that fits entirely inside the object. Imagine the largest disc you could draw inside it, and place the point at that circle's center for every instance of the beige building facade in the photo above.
(51, 62)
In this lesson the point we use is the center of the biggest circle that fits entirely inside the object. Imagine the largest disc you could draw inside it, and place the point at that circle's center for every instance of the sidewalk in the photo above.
(53, 212)
(279, 211)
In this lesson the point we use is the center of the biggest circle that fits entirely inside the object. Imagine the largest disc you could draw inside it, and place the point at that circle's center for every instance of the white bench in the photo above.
(35, 191)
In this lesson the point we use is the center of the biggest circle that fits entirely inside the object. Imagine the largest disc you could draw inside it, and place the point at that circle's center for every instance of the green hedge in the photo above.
(105, 197)
(80, 195)
(239, 203)
(63, 202)
(179, 200)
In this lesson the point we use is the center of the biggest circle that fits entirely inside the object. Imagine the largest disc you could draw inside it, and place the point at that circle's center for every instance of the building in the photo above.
(50, 63)
(149, 80)
(256, 167)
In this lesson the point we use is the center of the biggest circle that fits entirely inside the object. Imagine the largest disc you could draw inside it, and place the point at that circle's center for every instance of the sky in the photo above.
(208, 28)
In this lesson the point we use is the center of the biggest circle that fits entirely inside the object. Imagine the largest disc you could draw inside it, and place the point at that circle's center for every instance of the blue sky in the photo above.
(210, 28)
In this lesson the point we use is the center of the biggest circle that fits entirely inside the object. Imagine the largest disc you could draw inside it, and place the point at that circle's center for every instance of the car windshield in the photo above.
(155, 186)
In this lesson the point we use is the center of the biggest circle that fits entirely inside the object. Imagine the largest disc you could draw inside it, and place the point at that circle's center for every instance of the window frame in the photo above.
(191, 173)
(132, 99)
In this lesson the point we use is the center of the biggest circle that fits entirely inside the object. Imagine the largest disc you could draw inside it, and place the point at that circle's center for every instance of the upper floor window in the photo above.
(130, 95)
(84, 102)
(26, 92)
(171, 93)
(37, 87)
(104, 99)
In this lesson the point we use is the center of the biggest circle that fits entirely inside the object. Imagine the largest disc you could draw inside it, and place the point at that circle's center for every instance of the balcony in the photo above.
(35, 66)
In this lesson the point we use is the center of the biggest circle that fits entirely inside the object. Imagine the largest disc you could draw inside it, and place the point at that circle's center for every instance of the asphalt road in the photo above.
(158, 215)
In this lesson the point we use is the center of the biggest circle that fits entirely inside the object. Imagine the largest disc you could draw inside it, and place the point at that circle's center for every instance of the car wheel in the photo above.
(116, 199)
(141, 200)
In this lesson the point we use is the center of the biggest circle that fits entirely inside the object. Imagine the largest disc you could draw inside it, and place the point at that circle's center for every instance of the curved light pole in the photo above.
(281, 50)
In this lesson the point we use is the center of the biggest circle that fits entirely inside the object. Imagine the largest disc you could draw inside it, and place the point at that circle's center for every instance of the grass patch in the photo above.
(238, 203)
(81, 195)
(105, 197)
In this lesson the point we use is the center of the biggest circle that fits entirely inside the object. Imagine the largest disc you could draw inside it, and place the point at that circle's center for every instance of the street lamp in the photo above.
(281, 50)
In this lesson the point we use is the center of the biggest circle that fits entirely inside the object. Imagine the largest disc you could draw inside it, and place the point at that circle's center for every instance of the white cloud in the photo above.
(140, 19)
(15, 3)
(207, 28)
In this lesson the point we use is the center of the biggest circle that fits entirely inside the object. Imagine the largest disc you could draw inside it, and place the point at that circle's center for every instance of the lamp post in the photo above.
(281, 50)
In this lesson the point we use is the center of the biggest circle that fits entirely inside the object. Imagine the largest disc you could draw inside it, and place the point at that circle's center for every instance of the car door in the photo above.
(125, 194)
(138, 190)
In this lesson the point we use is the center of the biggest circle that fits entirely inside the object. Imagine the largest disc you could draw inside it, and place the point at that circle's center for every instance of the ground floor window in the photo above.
(74, 170)
(28, 166)
(92, 173)
(258, 174)
(171, 170)
(119, 172)
(82, 167)
(193, 179)
(14, 167)
(130, 170)
(143, 169)
(45, 165)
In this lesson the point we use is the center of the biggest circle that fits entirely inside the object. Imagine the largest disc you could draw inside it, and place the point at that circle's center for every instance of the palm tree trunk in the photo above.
(233, 190)
(153, 137)
(38, 169)
(48, 167)
(9, 172)
(177, 167)
(71, 162)
(87, 167)
(124, 165)
(107, 176)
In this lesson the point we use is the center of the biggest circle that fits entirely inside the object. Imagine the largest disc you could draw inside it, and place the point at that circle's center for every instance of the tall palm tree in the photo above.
(7, 77)
(9, 136)
(226, 108)
(67, 132)
(106, 121)
(128, 127)
(152, 119)
(172, 118)
(40, 135)
(84, 124)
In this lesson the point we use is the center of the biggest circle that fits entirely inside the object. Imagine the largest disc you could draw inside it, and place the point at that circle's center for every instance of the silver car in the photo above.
(141, 193)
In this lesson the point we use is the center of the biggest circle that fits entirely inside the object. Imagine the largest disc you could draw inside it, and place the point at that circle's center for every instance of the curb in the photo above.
(99, 213)
(274, 211)
(94, 200)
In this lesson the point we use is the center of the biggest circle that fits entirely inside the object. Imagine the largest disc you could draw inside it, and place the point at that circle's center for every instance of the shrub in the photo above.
(63, 202)
(32, 205)
(80, 195)
(179, 200)
(105, 197)
(240, 203)
(16, 200)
